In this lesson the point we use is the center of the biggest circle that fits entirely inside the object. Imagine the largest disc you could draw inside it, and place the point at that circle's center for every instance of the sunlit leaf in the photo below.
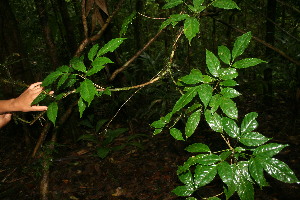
(98, 64)
(187, 178)
(110, 46)
(205, 93)
(225, 4)
(229, 108)
(253, 139)
(93, 51)
(227, 73)
(183, 190)
(185, 99)
(230, 93)
(249, 123)
(191, 28)
(213, 63)
(224, 54)
(204, 175)
(52, 112)
(268, 150)
(256, 170)
(77, 64)
(51, 78)
(193, 78)
(215, 102)
(128, 20)
(241, 43)
(230, 127)
(207, 159)
(279, 170)
(192, 123)
(197, 148)
(244, 187)
(247, 62)
(87, 90)
(214, 121)
(176, 133)
(229, 83)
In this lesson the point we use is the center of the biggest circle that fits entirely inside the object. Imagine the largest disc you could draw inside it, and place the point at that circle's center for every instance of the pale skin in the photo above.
(21, 103)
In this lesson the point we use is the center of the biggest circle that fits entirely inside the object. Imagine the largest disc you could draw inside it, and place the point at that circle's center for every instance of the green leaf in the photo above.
(51, 78)
(213, 63)
(40, 98)
(229, 83)
(204, 175)
(93, 51)
(214, 121)
(172, 3)
(64, 68)
(81, 106)
(253, 139)
(193, 78)
(187, 178)
(229, 108)
(192, 123)
(244, 188)
(77, 64)
(197, 148)
(183, 190)
(102, 152)
(185, 99)
(224, 54)
(256, 170)
(197, 6)
(174, 19)
(128, 20)
(225, 4)
(62, 80)
(110, 46)
(205, 93)
(230, 127)
(191, 198)
(230, 93)
(191, 28)
(249, 123)
(215, 102)
(158, 124)
(207, 159)
(268, 150)
(176, 133)
(227, 73)
(240, 45)
(247, 62)
(224, 155)
(225, 172)
(52, 112)
(87, 90)
(98, 64)
(279, 170)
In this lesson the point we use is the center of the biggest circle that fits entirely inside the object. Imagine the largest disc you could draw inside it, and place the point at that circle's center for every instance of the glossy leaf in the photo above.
(174, 19)
(62, 80)
(207, 159)
(214, 121)
(172, 3)
(191, 28)
(253, 139)
(227, 73)
(244, 187)
(229, 108)
(81, 106)
(256, 170)
(52, 112)
(224, 155)
(192, 123)
(193, 78)
(191, 198)
(176, 133)
(187, 178)
(185, 99)
(183, 190)
(205, 93)
(197, 148)
(77, 64)
(224, 54)
(64, 68)
(247, 62)
(87, 90)
(215, 102)
(213, 63)
(230, 93)
(268, 150)
(128, 20)
(51, 78)
(110, 46)
(279, 170)
(226, 174)
(230, 127)
(241, 43)
(229, 83)
(204, 175)
(197, 6)
(225, 4)
(98, 64)
(249, 123)
(93, 52)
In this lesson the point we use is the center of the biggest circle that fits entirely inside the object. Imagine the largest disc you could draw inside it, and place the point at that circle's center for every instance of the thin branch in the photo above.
(113, 76)
(84, 22)
(263, 42)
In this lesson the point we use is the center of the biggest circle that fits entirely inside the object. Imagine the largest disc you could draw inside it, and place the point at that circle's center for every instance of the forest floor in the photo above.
(146, 172)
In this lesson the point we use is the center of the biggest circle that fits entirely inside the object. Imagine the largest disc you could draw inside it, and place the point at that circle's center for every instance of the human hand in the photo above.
(23, 102)
(4, 119)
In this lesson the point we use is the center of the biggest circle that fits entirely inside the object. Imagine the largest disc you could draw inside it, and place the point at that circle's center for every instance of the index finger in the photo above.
(34, 85)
